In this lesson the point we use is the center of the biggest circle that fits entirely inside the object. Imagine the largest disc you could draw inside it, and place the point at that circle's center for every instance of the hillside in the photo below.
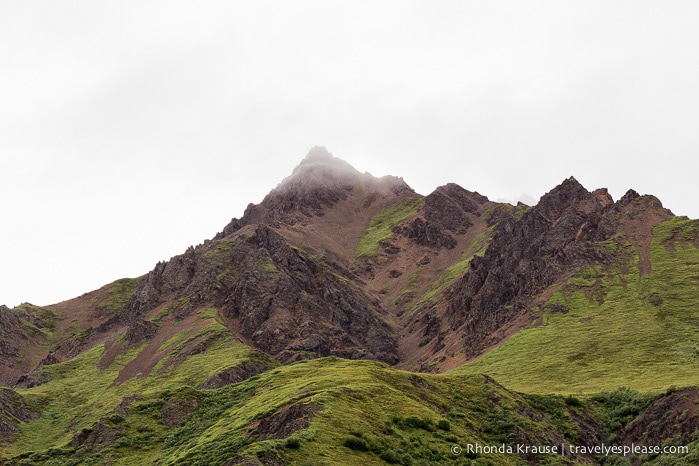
(347, 319)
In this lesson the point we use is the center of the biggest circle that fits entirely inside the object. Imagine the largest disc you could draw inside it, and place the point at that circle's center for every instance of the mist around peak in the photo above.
(319, 158)
(320, 168)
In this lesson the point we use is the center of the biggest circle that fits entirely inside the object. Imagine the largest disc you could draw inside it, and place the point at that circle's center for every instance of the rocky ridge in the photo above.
(453, 270)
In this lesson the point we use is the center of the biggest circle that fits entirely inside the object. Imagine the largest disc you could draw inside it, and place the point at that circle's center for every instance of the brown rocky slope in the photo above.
(444, 277)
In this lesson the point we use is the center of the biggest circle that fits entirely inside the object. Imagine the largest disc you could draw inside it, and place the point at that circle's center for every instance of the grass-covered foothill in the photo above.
(327, 411)
(609, 326)
(80, 395)
(321, 412)
(381, 224)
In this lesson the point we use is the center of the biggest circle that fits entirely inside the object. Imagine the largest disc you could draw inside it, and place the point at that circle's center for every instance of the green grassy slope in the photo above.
(327, 411)
(79, 392)
(321, 412)
(119, 294)
(451, 273)
(381, 224)
(610, 327)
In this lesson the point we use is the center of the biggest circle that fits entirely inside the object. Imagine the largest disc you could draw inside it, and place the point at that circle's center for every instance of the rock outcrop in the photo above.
(13, 411)
(526, 255)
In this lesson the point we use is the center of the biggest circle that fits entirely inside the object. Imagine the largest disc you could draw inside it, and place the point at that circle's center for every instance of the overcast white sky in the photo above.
(130, 130)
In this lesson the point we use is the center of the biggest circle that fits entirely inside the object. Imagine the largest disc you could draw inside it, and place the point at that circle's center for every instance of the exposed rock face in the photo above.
(98, 438)
(12, 411)
(6, 349)
(9, 323)
(287, 420)
(122, 409)
(281, 299)
(12, 331)
(449, 206)
(324, 314)
(235, 374)
(672, 416)
(33, 379)
(426, 234)
(141, 332)
(176, 409)
(526, 256)
(275, 295)
(318, 183)
(21, 342)
(447, 211)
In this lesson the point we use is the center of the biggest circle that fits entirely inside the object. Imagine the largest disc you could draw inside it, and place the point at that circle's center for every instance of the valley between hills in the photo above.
(348, 320)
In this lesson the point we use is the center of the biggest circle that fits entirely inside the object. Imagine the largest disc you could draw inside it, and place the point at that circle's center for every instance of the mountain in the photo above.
(347, 319)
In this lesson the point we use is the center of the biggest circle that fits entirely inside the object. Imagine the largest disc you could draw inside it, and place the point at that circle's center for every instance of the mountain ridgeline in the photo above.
(341, 295)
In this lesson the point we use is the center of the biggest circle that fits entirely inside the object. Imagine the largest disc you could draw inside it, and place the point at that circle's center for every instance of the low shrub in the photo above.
(443, 424)
(292, 443)
(356, 443)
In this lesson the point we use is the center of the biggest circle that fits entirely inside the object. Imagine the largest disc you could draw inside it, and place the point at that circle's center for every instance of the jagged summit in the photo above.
(318, 153)
(321, 180)
(569, 185)
(318, 183)
(566, 195)
(629, 196)
(321, 167)
(318, 158)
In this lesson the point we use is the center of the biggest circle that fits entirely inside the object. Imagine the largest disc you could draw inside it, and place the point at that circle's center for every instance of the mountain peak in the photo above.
(318, 182)
(569, 189)
(566, 195)
(318, 153)
(320, 159)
